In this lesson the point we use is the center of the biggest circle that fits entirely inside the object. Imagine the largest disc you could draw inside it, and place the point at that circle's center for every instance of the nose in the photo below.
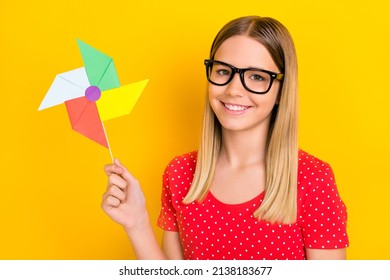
(235, 87)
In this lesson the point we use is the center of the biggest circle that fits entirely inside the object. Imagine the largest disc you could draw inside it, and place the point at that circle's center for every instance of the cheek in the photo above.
(273, 95)
(265, 102)
(212, 100)
(213, 93)
(213, 90)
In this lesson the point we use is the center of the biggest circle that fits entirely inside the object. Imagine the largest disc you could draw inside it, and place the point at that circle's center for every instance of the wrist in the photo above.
(141, 225)
(143, 240)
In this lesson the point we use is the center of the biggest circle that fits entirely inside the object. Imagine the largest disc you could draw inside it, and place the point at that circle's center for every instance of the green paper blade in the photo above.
(110, 78)
(100, 67)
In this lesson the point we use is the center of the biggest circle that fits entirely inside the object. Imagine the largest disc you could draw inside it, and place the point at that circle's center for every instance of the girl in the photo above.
(248, 192)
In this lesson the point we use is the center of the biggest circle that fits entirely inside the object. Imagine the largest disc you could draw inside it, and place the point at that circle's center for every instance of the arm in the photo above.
(124, 202)
(326, 254)
(171, 245)
(144, 242)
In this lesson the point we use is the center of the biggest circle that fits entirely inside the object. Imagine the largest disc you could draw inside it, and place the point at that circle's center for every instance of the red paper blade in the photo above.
(84, 118)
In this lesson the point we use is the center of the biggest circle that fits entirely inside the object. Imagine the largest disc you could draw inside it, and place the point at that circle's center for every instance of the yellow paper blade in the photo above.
(119, 101)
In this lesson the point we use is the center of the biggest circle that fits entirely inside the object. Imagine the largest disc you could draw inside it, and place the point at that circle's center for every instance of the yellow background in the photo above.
(52, 178)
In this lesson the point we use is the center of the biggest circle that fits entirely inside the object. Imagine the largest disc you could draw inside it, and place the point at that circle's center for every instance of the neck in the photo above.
(243, 148)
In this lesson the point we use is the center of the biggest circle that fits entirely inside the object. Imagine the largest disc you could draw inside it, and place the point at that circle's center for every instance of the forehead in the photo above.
(243, 51)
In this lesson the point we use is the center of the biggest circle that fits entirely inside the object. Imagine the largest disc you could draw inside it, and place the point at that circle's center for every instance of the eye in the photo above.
(223, 72)
(257, 77)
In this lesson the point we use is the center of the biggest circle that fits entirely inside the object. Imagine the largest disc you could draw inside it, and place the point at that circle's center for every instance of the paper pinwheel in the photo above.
(92, 94)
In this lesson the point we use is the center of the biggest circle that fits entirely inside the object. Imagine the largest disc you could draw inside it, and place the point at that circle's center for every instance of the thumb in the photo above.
(126, 174)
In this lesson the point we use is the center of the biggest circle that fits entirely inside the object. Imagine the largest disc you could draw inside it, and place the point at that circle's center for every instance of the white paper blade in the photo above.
(66, 86)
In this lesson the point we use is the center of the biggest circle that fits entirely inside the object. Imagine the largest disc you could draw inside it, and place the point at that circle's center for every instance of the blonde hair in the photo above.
(280, 201)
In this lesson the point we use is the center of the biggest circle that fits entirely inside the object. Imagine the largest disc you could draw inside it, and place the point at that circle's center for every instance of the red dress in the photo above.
(215, 230)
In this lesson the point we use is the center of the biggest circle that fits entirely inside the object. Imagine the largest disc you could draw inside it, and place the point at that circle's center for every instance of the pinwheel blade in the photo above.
(84, 117)
(99, 66)
(119, 101)
(66, 86)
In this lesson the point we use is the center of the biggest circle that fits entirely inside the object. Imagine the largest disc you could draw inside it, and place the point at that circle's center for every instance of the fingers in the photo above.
(117, 193)
(114, 196)
(111, 201)
(116, 180)
(125, 173)
(113, 169)
(119, 179)
(119, 169)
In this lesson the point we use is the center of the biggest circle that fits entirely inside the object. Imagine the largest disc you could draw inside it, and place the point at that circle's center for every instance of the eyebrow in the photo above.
(250, 67)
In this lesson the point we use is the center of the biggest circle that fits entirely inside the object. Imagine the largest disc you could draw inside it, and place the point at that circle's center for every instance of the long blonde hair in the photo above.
(280, 201)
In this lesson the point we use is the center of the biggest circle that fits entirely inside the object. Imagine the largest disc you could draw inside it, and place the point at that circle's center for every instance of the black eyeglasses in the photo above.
(255, 80)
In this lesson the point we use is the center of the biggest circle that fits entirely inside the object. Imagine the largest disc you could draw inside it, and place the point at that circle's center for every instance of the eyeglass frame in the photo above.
(274, 76)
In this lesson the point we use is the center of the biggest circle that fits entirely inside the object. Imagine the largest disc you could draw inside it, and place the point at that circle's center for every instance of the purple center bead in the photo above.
(92, 93)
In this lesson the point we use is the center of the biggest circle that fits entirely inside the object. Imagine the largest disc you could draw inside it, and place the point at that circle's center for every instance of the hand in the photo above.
(123, 201)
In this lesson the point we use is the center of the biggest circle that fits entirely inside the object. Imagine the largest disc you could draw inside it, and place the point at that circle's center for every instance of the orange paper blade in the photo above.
(84, 117)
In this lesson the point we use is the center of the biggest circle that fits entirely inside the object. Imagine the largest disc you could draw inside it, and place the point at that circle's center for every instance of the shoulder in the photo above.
(316, 179)
(179, 173)
(308, 161)
(177, 179)
(311, 168)
(182, 163)
(314, 175)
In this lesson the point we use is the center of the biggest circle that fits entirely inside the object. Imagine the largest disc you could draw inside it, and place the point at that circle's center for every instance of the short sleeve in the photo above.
(324, 215)
(167, 217)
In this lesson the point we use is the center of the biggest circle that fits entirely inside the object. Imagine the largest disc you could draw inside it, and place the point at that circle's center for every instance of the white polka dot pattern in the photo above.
(214, 230)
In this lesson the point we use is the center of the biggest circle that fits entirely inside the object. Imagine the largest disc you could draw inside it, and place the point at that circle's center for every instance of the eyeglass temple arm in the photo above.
(279, 76)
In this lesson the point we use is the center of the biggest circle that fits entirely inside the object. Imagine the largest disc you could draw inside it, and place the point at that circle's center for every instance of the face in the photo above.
(236, 108)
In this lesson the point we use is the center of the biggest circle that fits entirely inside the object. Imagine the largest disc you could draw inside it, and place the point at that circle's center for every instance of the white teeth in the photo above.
(235, 107)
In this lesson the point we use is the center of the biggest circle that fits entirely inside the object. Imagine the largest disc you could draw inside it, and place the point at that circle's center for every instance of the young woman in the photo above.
(248, 192)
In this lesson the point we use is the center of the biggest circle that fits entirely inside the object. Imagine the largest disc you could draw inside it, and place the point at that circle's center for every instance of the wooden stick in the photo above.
(108, 143)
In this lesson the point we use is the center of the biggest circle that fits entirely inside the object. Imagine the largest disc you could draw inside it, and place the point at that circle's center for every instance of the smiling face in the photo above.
(236, 108)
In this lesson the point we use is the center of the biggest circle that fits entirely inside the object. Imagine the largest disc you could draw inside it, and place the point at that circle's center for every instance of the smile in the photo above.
(235, 108)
